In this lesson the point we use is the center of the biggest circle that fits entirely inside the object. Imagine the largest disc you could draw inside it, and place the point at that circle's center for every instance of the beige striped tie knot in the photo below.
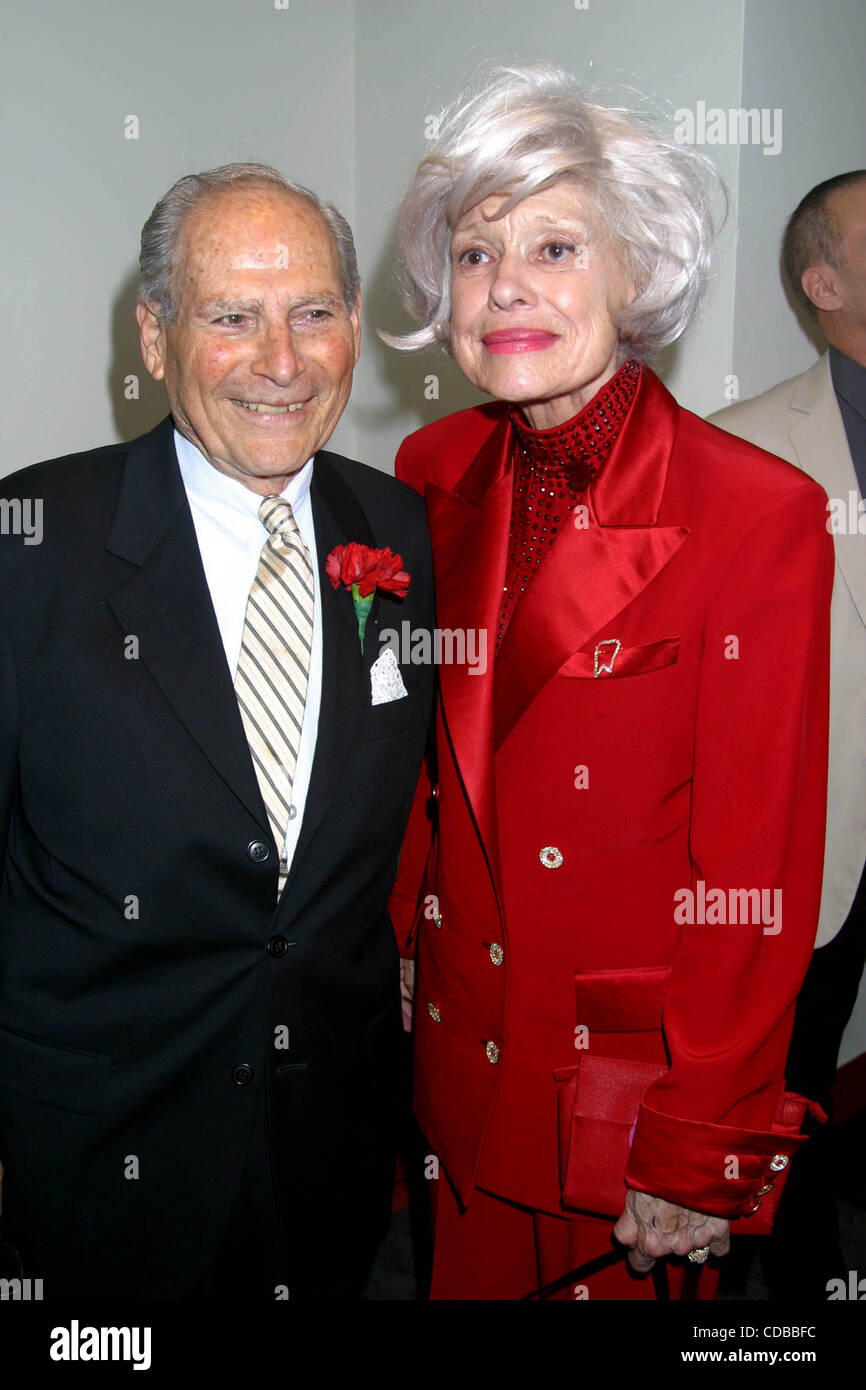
(277, 517)
(274, 662)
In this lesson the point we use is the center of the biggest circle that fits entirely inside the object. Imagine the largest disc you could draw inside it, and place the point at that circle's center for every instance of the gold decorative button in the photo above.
(492, 1052)
(497, 955)
(434, 1013)
(550, 856)
(779, 1163)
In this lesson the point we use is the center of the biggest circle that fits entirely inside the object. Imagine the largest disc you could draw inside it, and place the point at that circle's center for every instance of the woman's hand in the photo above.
(655, 1228)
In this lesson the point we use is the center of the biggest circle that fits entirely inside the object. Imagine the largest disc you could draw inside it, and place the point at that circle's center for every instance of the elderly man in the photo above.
(206, 774)
(818, 421)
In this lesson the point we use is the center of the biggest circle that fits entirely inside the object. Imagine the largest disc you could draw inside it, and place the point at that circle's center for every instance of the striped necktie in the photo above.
(274, 663)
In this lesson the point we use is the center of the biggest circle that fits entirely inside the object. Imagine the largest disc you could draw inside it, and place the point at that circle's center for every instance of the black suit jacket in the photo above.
(147, 976)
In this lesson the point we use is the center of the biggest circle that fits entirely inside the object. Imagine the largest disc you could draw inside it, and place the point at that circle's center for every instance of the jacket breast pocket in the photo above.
(394, 716)
(383, 721)
(56, 1076)
(610, 660)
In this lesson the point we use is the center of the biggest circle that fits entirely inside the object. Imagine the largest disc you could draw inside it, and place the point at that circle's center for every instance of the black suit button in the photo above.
(258, 851)
(277, 946)
(242, 1074)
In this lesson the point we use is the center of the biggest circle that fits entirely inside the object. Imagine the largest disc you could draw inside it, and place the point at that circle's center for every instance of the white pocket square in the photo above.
(386, 683)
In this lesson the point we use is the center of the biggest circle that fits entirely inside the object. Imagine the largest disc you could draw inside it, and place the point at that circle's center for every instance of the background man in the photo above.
(818, 421)
(203, 789)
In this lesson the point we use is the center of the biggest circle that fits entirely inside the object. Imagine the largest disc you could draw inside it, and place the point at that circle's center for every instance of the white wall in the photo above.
(210, 81)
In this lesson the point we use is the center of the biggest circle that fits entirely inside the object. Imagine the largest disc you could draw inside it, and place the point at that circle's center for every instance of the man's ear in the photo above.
(355, 317)
(819, 285)
(152, 338)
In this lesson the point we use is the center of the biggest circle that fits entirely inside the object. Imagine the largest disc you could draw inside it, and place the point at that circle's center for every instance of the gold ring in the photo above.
(699, 1255)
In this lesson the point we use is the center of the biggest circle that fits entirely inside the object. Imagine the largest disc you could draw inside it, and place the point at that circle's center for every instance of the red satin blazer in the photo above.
(655, 726)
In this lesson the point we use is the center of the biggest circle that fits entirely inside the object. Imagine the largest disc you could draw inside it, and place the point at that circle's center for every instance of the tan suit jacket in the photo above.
(800, 421)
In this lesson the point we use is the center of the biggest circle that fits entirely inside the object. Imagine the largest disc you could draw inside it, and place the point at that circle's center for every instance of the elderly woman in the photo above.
(622, 898)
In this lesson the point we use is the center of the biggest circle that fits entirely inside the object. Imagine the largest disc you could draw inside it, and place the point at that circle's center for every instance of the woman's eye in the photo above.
(231, 320)
(557, 250)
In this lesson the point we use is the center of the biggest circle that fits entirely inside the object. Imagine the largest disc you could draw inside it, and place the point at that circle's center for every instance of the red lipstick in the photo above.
(503, 340)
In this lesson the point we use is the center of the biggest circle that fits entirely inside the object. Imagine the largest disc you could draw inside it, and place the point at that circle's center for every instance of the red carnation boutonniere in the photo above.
(364, 570)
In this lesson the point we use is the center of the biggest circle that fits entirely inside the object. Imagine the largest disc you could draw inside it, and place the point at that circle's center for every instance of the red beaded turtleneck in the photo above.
(551, 470)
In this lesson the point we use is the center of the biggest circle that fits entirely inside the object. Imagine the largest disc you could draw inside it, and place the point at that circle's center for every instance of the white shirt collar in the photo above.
(218, 494)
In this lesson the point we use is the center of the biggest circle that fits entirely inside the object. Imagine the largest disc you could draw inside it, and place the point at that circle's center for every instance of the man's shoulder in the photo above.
(73, 499)
(770, 413)
(79, 471)
(372, 486)
(66, 472)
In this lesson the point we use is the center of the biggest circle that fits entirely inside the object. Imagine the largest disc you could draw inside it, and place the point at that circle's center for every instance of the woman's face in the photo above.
(533, 297)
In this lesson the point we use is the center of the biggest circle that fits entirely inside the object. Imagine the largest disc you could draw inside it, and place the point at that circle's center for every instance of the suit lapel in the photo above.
(592, 572)
(821, 446)
(338, 518)
(165, 603)
(587, 579)
(469, 538)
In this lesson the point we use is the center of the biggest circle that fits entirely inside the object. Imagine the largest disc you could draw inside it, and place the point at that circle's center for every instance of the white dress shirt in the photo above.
(230, 539)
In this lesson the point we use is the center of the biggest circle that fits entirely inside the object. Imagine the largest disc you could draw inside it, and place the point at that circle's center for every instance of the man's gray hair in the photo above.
(161, 231)
(522, 128)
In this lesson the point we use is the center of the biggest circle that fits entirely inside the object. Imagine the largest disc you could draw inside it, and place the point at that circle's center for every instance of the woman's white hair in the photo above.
(518, 130)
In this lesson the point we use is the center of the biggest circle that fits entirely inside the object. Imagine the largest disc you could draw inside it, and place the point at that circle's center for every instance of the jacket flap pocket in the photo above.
(598, 1106)
(610, 659)
(622, 1001)
(52, 1075)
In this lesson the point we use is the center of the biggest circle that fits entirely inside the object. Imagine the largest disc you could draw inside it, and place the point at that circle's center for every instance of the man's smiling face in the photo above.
(258, 366)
